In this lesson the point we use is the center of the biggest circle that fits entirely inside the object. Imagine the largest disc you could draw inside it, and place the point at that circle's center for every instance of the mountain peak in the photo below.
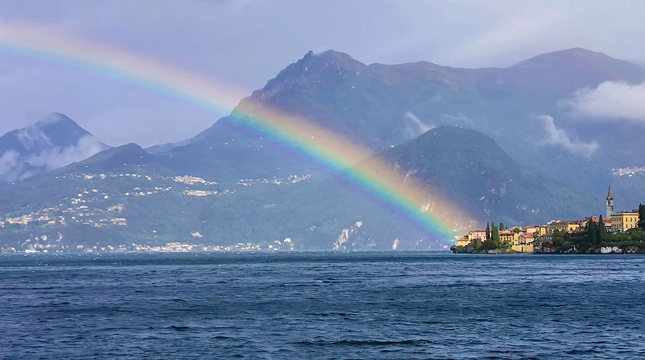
(316, 63)
(52, 142)
(329, 66)
(55, 118)
(329, 55)
(573, 55)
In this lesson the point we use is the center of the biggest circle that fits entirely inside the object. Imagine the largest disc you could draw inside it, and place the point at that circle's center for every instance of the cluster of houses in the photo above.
(532, 238)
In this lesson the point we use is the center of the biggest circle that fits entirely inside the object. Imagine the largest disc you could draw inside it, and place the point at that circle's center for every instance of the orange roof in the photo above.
(609, 194)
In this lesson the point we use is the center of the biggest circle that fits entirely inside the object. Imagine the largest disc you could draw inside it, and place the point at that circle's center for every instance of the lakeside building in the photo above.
(610, 204)
(464, 241)
(539, 238)
(508, 236)
(524, 243)
(596, 219)
(477, 235)
(624, 220)
(563, 225)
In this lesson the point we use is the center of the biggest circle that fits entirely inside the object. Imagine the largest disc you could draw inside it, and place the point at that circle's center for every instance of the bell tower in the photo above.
(610, 204)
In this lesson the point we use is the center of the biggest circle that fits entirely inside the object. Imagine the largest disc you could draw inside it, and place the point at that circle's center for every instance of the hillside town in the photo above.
(591, 234)
(101, 200)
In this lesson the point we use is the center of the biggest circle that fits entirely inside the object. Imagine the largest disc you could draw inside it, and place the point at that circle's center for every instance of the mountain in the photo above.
(473, 171)
(50, 143)
(502, 144)
(380, 106)
(125, 195)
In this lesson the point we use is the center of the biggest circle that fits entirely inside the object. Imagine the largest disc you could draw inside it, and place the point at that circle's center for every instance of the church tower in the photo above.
(610, 204)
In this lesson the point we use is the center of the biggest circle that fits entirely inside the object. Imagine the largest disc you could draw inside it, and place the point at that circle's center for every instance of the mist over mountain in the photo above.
(50, 143)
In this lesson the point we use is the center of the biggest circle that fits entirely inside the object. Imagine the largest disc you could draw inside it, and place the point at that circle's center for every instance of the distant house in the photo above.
(477, 235)
(464, 241)
(544, 243)
(563, 225)
(524, 242)
(507, 236)
(624, 220)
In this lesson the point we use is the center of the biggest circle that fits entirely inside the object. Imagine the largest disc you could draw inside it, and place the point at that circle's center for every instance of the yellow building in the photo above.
(464, 241)
(563, 226)
(624, 220)
(524, 243)
(541, 230)
(508, 237)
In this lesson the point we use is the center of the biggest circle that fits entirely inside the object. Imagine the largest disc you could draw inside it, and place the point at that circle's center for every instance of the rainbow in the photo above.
(337, 153)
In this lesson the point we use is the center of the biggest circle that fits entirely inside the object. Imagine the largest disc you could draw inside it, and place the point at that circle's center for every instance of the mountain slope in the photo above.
(117, 197)
(46, 145)
(472, 170)
(383, 105)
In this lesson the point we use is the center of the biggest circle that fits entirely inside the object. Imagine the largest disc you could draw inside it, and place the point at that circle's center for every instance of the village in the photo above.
(100, 204)
(563, 236)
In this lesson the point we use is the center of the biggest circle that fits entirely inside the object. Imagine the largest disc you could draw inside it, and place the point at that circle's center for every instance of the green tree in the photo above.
(592, 230)
(501, 226)
(641, 216)
(558, 239)
(602, 232)
(487, 231)
(495, 236)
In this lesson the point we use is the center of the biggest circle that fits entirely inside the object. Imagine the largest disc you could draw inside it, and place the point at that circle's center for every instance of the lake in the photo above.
(374, 305)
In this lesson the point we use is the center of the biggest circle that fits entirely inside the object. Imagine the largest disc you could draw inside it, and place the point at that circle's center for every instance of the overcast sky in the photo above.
(246, 42)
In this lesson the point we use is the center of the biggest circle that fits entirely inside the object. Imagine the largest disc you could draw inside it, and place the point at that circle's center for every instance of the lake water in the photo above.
(322, 306)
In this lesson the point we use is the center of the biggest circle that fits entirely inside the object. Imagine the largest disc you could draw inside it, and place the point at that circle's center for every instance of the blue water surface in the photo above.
(389, 305)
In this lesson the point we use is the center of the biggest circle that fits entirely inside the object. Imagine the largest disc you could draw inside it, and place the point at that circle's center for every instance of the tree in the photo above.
(495, 236)
(558, 240)
(487, 231)
(641, 216)
(501, 226)
(602, 232)
(592, 230)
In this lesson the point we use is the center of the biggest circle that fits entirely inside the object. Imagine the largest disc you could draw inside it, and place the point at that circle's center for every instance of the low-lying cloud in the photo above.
(15, 167)
(60, 156)
(8, 164)
(611, 101)
(560, 137)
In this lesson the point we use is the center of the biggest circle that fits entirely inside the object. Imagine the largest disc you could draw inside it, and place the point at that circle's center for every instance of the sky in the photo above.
(245, 43)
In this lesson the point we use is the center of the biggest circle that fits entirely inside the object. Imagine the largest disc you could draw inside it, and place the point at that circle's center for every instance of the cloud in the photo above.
(8, 162)
(611, 101)
(415, 127)
(58, 157)
(32, 137)
(559, 137)
(15, 167)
